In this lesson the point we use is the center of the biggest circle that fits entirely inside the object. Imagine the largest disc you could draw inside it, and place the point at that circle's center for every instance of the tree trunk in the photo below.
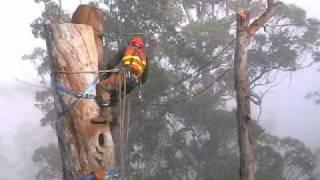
(246, 138)
(84, 147)
(245, 125)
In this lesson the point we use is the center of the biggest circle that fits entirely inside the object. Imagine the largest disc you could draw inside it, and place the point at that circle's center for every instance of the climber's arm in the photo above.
(114, 61)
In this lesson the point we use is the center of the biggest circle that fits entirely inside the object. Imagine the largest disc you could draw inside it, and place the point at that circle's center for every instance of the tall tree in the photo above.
(246, 137)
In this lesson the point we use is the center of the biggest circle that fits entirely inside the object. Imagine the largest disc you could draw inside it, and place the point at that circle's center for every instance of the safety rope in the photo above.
(88, 72)
(109, 175)
(120, 122)
(125, 125)
(195, 31)
(127, 131)
(89, 92)
(58, 87)
(124, 121)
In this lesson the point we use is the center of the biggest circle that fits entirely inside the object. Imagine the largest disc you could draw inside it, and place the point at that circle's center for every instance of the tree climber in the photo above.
(134, 61)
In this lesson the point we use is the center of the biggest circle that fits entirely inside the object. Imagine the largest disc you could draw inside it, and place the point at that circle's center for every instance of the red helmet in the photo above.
(137, 41)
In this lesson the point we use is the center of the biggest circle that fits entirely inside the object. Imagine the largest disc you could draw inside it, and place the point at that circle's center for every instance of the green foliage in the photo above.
(292, 13)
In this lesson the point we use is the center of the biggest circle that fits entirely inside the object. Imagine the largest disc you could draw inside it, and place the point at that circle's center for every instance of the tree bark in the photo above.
(246, 138)
(245, 125)
(84, 147)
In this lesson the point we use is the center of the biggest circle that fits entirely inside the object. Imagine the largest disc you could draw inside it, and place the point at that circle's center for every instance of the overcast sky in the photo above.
(285, 111)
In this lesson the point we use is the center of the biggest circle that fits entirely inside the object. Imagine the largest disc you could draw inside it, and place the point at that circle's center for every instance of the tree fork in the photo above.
(84, 147)
(246, 139)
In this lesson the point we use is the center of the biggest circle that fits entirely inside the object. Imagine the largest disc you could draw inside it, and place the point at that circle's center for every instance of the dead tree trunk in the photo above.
(245, 126)
(84, 147)
(246, 137)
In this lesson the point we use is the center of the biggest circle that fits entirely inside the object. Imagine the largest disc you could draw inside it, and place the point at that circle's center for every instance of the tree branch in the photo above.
(188, 14)
(264, 17)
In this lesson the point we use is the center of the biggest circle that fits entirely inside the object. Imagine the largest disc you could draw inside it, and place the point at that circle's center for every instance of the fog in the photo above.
(285, 111)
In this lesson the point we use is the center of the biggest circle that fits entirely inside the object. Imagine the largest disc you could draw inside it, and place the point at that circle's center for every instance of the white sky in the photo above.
(286, 112)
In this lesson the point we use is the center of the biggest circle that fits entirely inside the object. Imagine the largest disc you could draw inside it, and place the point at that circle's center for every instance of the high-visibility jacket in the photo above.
(135, 59)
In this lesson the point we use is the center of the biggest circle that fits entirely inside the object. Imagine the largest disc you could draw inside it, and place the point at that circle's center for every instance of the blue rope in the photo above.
(88, 177)
(110, 175)
(58, 87)
(89, 93)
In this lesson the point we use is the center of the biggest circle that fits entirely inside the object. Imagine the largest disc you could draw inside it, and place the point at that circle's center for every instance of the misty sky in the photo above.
(285, 111)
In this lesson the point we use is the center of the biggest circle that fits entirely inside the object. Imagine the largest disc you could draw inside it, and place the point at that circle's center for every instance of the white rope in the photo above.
(121, 127)
(124, 124)
(87, 72)
(196, 31)
(127, 136)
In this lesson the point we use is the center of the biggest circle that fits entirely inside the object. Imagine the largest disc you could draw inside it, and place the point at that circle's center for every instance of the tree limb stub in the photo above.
(72, 47)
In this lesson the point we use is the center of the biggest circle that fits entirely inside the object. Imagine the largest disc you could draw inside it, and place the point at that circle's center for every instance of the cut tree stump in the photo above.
(84, 147)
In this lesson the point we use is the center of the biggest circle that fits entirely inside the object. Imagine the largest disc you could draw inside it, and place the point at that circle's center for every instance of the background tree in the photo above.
(316, 172)
(49, 161)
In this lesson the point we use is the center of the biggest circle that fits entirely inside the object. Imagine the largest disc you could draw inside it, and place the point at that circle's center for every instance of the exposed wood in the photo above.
(246, 137)
(91, 15)
(85, 147)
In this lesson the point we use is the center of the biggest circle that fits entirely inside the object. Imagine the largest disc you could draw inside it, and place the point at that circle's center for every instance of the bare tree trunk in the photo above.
(246, 138)
(84, 147)
(245, 125)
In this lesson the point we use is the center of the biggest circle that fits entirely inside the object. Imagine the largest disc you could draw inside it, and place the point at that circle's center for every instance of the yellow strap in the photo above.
(135, 64)
(130, 56)
(133, 57)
